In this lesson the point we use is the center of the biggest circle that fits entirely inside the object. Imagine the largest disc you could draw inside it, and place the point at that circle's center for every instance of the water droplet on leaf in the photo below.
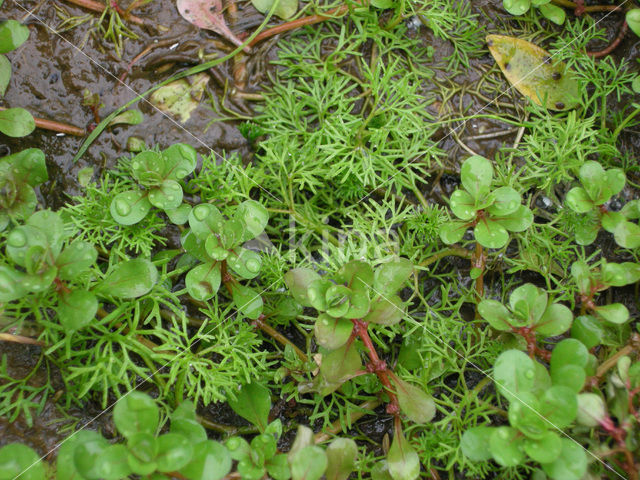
(17, 239)
(123, 208)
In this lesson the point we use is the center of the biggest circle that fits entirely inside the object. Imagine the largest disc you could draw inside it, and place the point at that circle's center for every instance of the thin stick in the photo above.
(8, 337)
(56, 126)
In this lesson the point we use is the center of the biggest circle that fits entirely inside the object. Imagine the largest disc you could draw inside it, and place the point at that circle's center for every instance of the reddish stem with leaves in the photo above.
(376, 365)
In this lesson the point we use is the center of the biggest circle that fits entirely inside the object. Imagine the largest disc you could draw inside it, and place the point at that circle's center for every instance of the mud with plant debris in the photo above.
(51, 72)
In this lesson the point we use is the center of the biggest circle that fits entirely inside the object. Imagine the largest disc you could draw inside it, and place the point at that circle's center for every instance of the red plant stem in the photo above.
(618, 435)
(579, 8)
(613, 45)
(56, 126)
(377, 366)
(478, 260)
(99, 7)
(533, 349)
(301, 22)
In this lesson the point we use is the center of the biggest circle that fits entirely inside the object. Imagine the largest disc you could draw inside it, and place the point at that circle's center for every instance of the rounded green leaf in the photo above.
(253, 403)
(620, 274)
(148, 168)
(23, 239)
(254, 216)
(592, 176)
(136, 413)
(129, 279)
(75, 259)
(611, 220)
(569, 352)
(476, 174)
(633, 20)
(308, 463)
(5, 74)
(316, 293)
(391, 276)
(559, 405)
(339, 365)
(210, 461)
(181, 160)
(516, 7)
(615, 313)
(553, 13)
(517, 221)
(627, 235)
(514, 373)
(544, 449)
(19, 462)
(12, 35)
(247, 301)
(285, 9)
(338, 298)
(130, 207)
(341, 458)
(505, 444)
(555, 321)
(571, 464)
(298, 281)
(495, 314)
(174, 452)
(65, 464)
(76, 310)
(204, 220)
(86, 457)
(462, 205)
(414, 402)
(452, 232)
(403, 461)
(28, 166)
(524, 414)
(475, 443)
(385, 311)
(246, 263)
(166, 196)
(578, 200)
(189, 429)
(570, 376)
(591, 410)
(491, 234)
(332, 333)
(506, 201)
(11, 284)
(203, 281)
(16, 122)
(587, 232)
(528, 302)
(179, 215)
(588, 330)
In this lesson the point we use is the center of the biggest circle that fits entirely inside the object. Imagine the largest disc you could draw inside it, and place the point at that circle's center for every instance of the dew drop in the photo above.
(135, 165)
(529, 374)
(123, 208)
(170, 198)
(17, 239)
(504, 434)
(200, 212)
(253, 265)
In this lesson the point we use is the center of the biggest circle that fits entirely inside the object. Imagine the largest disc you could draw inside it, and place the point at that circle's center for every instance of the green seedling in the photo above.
(541, 405)
(217, 242)
(547, 9)
(598, 186)
(530, 313)
(492, 213)
(20, 173)
(159, 174)
(44, 261)
(590, 282)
